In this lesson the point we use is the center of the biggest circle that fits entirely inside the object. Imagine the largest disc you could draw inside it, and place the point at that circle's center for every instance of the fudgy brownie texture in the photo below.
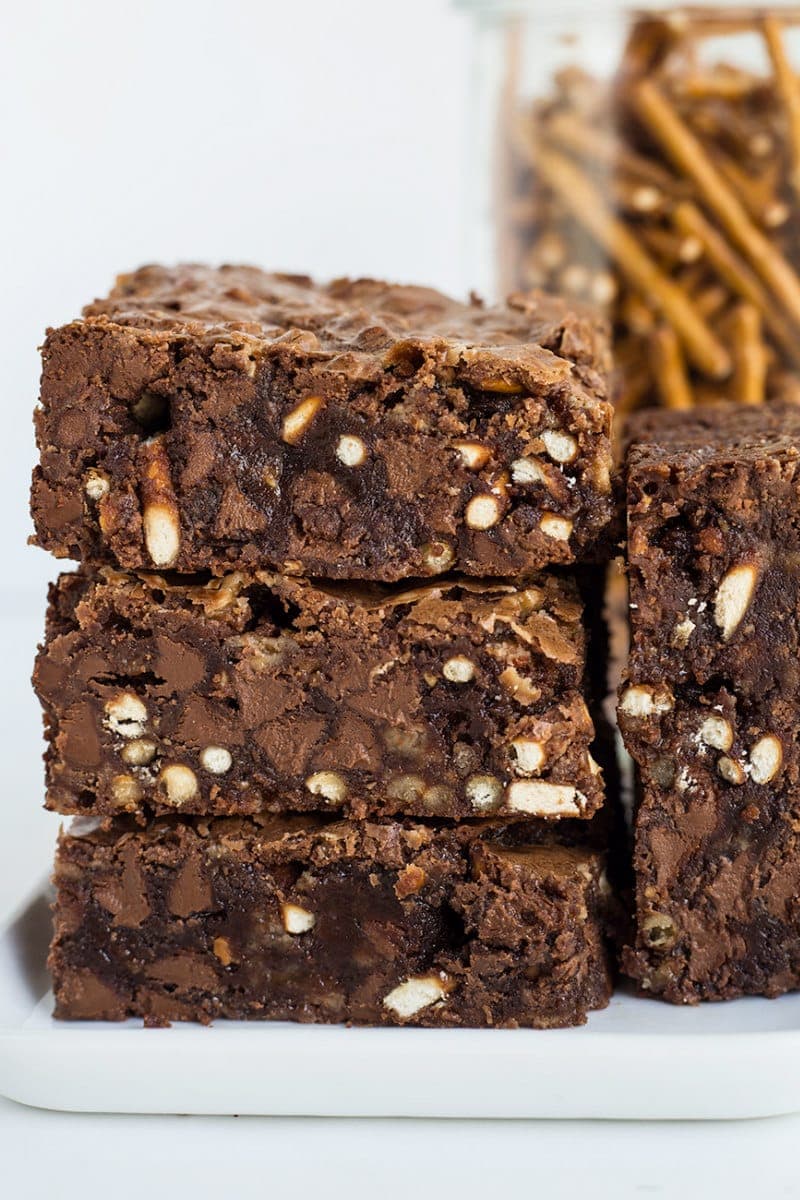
(709, 708)
(296, 919)
(717, 850)
(714, 548)
(259, 692)
(204, 419)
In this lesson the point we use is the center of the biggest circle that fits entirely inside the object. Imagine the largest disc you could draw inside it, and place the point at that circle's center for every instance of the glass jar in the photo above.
(646, 160)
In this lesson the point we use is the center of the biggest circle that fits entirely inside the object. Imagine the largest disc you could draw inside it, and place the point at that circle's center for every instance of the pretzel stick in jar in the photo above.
(737, 275)
(748, 384)
(687, 152)
(567, 131)
(671, 376)
(637, 199)
(788, 89)
(649, 43)
(587, 204)
(723, 84)
(718, 22)
(759, 196)
(670, 248)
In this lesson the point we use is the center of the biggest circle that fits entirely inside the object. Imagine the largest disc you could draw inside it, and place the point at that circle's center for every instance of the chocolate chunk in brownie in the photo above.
(204, 419)
(298, 919)
(257, 692)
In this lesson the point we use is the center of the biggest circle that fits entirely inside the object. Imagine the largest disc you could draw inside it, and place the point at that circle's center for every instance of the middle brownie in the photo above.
(258, 693)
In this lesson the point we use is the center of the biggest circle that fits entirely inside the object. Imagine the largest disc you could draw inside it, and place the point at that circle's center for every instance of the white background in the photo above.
(308, 135)
(318, 135)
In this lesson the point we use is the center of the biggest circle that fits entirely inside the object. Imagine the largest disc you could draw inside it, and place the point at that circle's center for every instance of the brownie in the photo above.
(203, 419)
(717, 850)
(714, 547)
(710, 706)
(305, 920)
(258, 692)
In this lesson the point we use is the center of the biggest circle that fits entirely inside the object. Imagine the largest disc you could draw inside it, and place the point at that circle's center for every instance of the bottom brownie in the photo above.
(305, 920)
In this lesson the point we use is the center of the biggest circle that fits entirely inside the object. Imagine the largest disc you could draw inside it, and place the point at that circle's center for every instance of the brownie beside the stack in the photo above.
(320, 684)
(257, 693)
(710, 708)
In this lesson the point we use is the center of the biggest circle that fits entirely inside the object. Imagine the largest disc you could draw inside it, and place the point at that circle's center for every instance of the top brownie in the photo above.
(714, 552)
(217, 419)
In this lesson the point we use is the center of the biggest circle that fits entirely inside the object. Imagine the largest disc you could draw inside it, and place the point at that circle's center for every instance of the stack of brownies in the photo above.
(318, 691)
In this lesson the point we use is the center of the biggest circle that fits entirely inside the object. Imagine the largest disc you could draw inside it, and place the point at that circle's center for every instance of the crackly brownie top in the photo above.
(712, 435)
(532, 335)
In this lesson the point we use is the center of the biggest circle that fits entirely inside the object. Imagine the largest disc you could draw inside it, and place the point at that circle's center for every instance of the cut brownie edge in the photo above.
(217, 420)
(708, 709)
(258, 692)
(295, 919)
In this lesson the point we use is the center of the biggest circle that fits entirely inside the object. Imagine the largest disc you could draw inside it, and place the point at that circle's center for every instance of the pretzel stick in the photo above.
(671, 248)
(727, 127)
(569, 132)
(762, 203)
(749, 355)
(649, 43)
(639, 199)
(718, 85)
(688, 153)
(588, 206)
(716, 22)
(788, 89)
(670, 372)
(737, 275)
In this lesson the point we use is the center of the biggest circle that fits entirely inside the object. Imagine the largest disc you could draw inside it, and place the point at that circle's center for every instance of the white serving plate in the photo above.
(638, 1059)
